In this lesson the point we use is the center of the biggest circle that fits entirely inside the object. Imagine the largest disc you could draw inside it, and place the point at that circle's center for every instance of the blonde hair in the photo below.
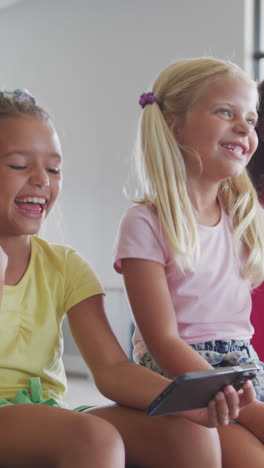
(162, 174)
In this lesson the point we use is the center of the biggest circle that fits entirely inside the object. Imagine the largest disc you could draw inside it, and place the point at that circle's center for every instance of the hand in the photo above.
(224, 407)
(246, 394)
(3, 263)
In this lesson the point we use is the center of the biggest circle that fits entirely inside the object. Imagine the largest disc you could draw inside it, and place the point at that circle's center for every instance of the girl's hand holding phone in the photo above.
(224, 407)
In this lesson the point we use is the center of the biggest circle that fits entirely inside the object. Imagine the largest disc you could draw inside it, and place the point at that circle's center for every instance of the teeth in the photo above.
(40, 201)
(238, 149)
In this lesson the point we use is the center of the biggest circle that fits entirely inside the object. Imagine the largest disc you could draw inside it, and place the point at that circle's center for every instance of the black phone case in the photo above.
(194, 390)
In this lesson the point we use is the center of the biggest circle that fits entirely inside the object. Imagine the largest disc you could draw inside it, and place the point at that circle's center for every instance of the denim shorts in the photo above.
(221, 353)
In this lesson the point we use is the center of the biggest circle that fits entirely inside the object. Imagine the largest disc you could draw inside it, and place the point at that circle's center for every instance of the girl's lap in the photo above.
(39, 435)
(240, 448)
(252, 418)
(242, 443)
(163, 441)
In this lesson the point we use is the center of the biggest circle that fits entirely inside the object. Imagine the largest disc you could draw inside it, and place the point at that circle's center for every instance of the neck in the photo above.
(204, 198)
(15, 245)
(18, 250)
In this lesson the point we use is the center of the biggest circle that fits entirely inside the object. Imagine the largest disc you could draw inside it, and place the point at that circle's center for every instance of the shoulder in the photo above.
(49, 252)
(65, 266)
(49, 248)
(60, 257)
(140, 214)
(140, 236)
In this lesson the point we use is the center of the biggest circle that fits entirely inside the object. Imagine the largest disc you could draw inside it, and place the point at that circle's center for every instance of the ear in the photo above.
(170, 118)
(173, 123)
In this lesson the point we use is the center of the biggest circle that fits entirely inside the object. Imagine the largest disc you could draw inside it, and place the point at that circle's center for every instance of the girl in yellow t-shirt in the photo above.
(39, 284)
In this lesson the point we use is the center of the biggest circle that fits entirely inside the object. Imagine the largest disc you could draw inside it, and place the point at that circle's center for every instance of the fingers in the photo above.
(246, 394)
(224, 407)
(218, 411)
(233, 401)
(213, 412)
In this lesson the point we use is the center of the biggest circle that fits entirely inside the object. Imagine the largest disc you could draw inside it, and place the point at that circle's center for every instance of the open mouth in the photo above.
(236, 149)
(32, 205)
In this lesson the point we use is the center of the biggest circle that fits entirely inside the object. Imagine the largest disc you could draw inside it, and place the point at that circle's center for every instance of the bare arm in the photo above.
(120, 380)
(150, 300)
(115, 376)
(3, 267)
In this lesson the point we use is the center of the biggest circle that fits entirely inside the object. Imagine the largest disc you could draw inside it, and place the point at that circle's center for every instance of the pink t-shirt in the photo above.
(212, 303)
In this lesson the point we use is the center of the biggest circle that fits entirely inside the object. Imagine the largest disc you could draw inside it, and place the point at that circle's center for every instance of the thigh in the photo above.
(168, 441)
(252, 418)
(240, 448)
(44, 436)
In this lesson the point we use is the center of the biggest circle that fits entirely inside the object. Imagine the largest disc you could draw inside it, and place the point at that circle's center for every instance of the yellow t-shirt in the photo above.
(31, 341)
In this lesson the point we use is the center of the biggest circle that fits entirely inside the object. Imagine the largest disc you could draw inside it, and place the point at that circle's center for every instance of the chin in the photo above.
(30, 230)
(235, 171)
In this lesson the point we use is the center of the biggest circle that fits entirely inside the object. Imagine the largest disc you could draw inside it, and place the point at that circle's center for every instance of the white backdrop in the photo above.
(87, 62)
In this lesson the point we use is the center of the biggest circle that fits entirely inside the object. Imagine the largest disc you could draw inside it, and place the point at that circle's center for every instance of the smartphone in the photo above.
(194, 390)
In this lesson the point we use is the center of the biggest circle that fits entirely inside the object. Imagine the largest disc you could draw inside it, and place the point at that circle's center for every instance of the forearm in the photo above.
(115, 375)
(176, 357)
(130, 384)
(135, 385)
(148, 292)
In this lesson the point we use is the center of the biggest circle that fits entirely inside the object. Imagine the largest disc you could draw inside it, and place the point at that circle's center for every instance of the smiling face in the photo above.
(30, 173)
(220, 128)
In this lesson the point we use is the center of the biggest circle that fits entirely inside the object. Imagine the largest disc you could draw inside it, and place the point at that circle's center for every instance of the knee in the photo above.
(101, 434)
(196, 446)
(95, 441)
(208, 448)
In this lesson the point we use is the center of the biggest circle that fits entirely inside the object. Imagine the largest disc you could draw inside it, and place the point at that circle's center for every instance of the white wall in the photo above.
(8, 3)
(88, 61)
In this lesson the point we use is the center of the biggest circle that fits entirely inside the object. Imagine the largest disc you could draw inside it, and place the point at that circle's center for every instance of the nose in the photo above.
(242, 127)
(39, 177)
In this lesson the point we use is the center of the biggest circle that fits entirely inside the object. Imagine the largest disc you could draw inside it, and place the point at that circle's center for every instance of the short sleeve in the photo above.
(139, 236)
(81, 281)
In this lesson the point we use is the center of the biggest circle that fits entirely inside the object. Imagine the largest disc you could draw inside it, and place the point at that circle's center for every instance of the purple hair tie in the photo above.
(148, 98)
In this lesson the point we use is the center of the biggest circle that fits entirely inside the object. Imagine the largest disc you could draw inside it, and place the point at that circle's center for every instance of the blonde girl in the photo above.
(191, 248)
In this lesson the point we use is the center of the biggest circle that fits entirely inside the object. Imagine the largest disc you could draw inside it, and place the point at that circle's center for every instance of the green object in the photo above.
(35, 389)
(4, 402)
(83, 408)
(22, 397)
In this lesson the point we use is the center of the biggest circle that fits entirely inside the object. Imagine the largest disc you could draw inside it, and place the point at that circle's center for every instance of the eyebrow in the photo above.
(28, 153)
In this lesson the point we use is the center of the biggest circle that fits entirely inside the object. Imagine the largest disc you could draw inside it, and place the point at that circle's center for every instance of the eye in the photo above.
(252, 121)
(225, 112)
(54, 171)
(16, 168)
